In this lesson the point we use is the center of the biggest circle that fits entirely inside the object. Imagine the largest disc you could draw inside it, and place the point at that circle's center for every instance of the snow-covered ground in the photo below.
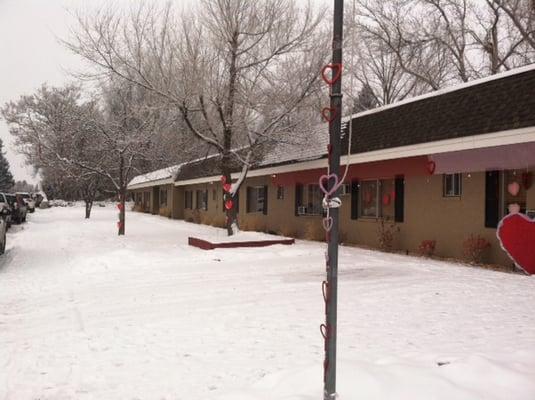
(85, 314)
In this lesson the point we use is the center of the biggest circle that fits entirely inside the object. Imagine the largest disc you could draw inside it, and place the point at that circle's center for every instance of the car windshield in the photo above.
(10, 199)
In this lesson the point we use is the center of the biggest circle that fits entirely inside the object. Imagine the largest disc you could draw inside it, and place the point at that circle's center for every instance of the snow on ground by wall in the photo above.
(85, 314)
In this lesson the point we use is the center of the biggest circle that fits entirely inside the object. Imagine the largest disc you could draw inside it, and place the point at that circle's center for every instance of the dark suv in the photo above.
(18, 208)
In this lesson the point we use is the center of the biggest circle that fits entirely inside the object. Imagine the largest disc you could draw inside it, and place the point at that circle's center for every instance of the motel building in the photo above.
(439, 167)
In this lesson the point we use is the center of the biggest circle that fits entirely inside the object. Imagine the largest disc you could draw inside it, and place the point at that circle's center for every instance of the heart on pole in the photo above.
(327, 223)
(331, 73)
(516, 233)
(324, 184)
(229, 204)
(328, 114)
(227, 187)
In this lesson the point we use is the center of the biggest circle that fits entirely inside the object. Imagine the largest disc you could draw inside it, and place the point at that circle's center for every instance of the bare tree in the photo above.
(88, 140)
(235, 72)
(522, 15)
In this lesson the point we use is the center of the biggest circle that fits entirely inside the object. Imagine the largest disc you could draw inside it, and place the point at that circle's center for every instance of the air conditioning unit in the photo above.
(301, 210)
(345, 189)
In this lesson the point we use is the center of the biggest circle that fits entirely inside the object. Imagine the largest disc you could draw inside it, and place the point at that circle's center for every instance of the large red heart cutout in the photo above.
(516, 233)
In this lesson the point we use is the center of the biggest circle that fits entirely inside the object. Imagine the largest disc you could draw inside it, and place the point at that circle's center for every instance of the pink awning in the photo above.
(515, 156)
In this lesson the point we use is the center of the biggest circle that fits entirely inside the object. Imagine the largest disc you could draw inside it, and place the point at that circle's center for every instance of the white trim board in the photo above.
(516, 136)
(167, 181)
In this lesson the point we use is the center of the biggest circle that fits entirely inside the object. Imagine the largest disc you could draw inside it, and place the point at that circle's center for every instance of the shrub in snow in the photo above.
(287, 230)
(474, 248)
(427, 248)
(253, 223)
(314, 231)
(218, 222)
(385, 234)
(165, 212)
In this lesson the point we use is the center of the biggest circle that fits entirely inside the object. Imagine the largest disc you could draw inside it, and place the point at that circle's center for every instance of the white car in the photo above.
(28, 200)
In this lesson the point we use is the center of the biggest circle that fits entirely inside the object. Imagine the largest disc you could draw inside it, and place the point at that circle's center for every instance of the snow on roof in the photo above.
(164, 173)
(312, 144)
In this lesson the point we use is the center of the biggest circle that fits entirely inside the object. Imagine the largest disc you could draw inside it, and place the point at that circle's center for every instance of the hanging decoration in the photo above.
(120, 206)
(367, 197)
(328, 114)
(431, 167)
(229, 204)
(513, 208)
(527, 180)
(331, 73)
(516, 233)
(386, 199)
(513, 188)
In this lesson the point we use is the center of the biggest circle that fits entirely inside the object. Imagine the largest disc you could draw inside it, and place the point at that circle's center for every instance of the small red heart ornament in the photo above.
(328, 114)
(229, 204)
(227, 187)
(431, 166)
(335, 72)
(516, 233)
(223, 179)
(513, 188)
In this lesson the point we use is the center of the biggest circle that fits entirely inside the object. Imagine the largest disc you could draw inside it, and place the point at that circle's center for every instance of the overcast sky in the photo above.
(31, 55)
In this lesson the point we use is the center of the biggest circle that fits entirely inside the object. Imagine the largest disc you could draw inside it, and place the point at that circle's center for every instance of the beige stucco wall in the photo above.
(428, 215)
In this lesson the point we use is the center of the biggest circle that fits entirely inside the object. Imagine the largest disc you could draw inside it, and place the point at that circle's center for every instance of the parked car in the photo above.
(18, 208)
(5, 210)
(3, 236)
(28, 200)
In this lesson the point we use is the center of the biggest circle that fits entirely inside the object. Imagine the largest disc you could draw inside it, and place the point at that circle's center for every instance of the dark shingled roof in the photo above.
(502, 102)
(490, 106)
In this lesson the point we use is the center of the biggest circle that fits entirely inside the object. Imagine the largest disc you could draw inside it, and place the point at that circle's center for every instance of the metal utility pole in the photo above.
(331, 285)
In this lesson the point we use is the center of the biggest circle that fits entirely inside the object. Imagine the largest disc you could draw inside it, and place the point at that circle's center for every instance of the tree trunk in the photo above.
(88, 207)
(122, 214)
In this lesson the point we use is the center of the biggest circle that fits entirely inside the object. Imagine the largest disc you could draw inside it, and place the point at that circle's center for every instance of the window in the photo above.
(202, 200)
(256, 198)
(452, 185)
(513, 192)
(377, 198)
(188, 199)
(138, 198)
(146, 199)
(280, 192)
(309, 200)
(163, 197)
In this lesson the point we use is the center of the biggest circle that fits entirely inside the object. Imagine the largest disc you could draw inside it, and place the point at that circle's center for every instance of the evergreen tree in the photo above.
(366, 100)
(6, 179)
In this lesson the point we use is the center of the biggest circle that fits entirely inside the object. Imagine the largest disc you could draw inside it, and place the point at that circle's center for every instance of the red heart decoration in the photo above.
(120, 206)
(327, 223)
(229, 204)
(516, 233)
(336, 71)
(328, 114)
(513, 188)
(431, 167)
(223, 179)
(227, 187)
(386, 199)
